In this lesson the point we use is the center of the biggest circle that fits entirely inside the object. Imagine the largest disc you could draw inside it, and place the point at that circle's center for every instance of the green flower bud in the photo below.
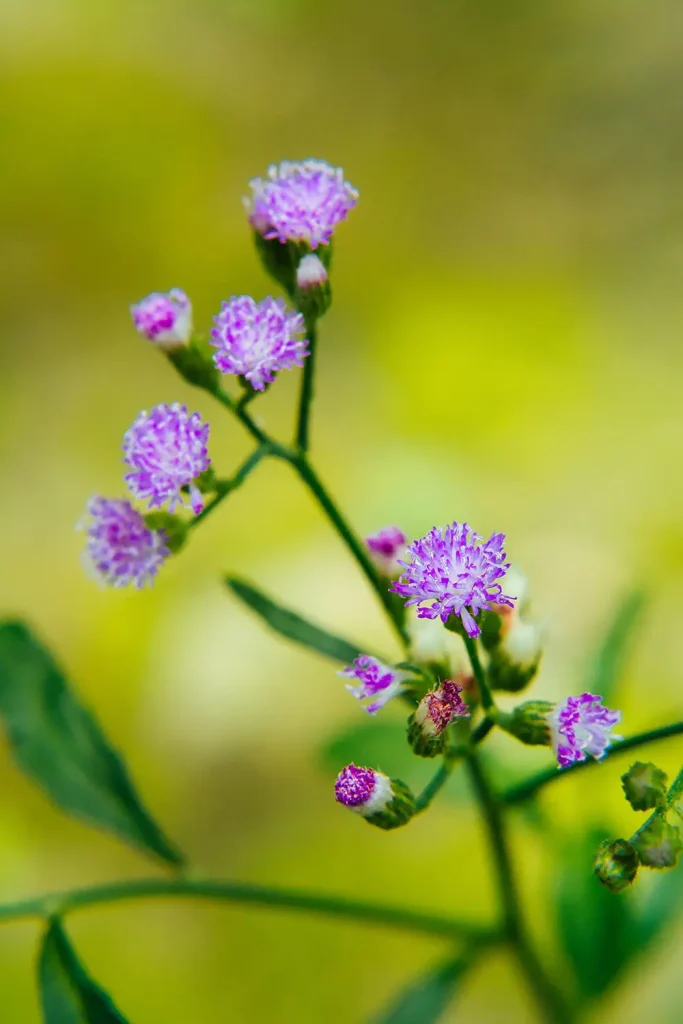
(616, 864)
(528, 722)
(173, 527)
(194, 363)
(645, 786)
(658, 843)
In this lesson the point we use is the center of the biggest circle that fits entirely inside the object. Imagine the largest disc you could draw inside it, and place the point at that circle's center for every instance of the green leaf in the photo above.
(611, 654)
(293, 626)
(59, 744)
(68, 995)
(426, 1000)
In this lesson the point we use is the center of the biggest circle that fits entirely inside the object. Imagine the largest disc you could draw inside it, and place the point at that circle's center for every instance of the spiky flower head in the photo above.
(376, 680)
(386, 547)
(300, 202)
(164, 318)
(120, 547)
(385, 802)
(581, 726)
(453, 571)
(436, 711)
(167, 449)
(257, 339)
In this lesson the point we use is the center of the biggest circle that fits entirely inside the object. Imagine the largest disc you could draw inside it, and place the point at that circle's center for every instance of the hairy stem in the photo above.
(236, 892)
(306, 397)
(524, 790)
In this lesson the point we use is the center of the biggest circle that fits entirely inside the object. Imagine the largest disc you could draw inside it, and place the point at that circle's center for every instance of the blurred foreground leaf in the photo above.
(68, 995)
(293, 626)
(610, 657)
(57, 742)
(426, 1000)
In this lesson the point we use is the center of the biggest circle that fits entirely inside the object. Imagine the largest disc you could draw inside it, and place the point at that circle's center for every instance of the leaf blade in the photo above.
(58, 743)
(425, 1001)
(611, 654)
(68, 994)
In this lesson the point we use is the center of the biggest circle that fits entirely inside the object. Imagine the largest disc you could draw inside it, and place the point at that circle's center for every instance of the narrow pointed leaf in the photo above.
(68, 994)
(610, 657)
(293, 626)
(426, 1001)
(59, 744)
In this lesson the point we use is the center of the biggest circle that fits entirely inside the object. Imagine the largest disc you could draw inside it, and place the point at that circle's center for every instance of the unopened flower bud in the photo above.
(165, 319)
(313, 294)
(515, 659)
(384, 802)
(616, 864)
(658, 843)
(385, 548)
(436, 711)
(528, 722)
(645, 786)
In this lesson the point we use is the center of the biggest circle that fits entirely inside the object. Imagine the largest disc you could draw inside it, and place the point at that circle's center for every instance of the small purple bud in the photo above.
(165, 319)
(384, 802)
(386, 547)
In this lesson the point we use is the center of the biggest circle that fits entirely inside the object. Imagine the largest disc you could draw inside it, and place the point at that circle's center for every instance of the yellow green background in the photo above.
(504, 347)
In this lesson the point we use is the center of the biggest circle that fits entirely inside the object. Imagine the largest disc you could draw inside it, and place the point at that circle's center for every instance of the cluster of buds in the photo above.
(384, 802)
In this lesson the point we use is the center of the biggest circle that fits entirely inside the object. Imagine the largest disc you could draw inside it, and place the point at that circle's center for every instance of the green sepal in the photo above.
(528, 722)
(424, 744)
(398, 811)
(504, 674)
(313, 302)
(616, 864)
(194, 363)
(644, 786)
(173, 527)
(658, 843)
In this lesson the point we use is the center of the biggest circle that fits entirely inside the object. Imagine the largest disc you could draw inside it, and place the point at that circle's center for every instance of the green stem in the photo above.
(450, 759)
(242, 415)
(523, 790)
(306, 398)
(487, 700)
(237, 892)
(226, 487)
(550, 1000)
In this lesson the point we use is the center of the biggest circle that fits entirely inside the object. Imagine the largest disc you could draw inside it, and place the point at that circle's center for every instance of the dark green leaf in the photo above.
(293, 626)
(610, 656)
(56, 741)
(426, 1000)
(68, 995)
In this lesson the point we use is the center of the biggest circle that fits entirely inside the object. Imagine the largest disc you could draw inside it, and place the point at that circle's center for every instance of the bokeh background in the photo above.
(504, 347)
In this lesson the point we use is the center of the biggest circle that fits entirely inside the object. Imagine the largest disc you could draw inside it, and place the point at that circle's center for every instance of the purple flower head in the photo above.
(375, 680)
(363, 790)
(256, 339)
(300, 202)
(120, 546)
(582, 726)
(310, 273)
(456, 571)
(167, 449)
(386, 547)
(164, 318)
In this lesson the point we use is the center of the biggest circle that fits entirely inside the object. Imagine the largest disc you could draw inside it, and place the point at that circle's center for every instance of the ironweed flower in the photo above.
(385, 547)
(581, 726)
(164, 318)
(120, 546)
(385, 802)
(257, 339)
(300, 202)
(453, 571)
(375, 680)
(167, 450)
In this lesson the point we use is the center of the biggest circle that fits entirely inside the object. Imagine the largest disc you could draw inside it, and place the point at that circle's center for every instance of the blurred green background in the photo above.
(504, 348)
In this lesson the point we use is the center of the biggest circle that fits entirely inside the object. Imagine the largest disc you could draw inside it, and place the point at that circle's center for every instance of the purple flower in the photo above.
(164, 318)
(385, 547)
(120, 545)
(300, 202)
(456, 571)
(363, 790)
(256, 339)
(167, 449)
(375, 680)
(581, 726)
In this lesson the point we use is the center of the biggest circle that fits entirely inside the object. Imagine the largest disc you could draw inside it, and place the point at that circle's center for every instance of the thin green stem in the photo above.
(306, 397)
(550, 1000)
(226, 487)
(487, 700)
(238, 892)
(450, 758)
(242, 415)
(524, 790)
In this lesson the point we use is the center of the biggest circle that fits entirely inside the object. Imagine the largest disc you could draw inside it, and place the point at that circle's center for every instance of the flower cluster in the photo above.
(257, 339)
(582, 726)
(453, 571)
(300, 202)
(121, 547)
(375, 680)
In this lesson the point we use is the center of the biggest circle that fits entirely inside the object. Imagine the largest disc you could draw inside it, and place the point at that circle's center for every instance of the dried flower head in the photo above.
(433, 714)
(300, 202)
(375, 680)
(167, 450)
(582, 726)
(257, 339)
(453, 571)
(164, 318)
(120, 546)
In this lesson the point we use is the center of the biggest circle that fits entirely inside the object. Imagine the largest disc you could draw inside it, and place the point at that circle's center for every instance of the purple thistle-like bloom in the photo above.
(300, 202)
(256, 339)
(456, 571)
(167, 449)
(582, 726)
(363, 790)
(120, 545)
(165, 318)
(375, 679)
(385, 546)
